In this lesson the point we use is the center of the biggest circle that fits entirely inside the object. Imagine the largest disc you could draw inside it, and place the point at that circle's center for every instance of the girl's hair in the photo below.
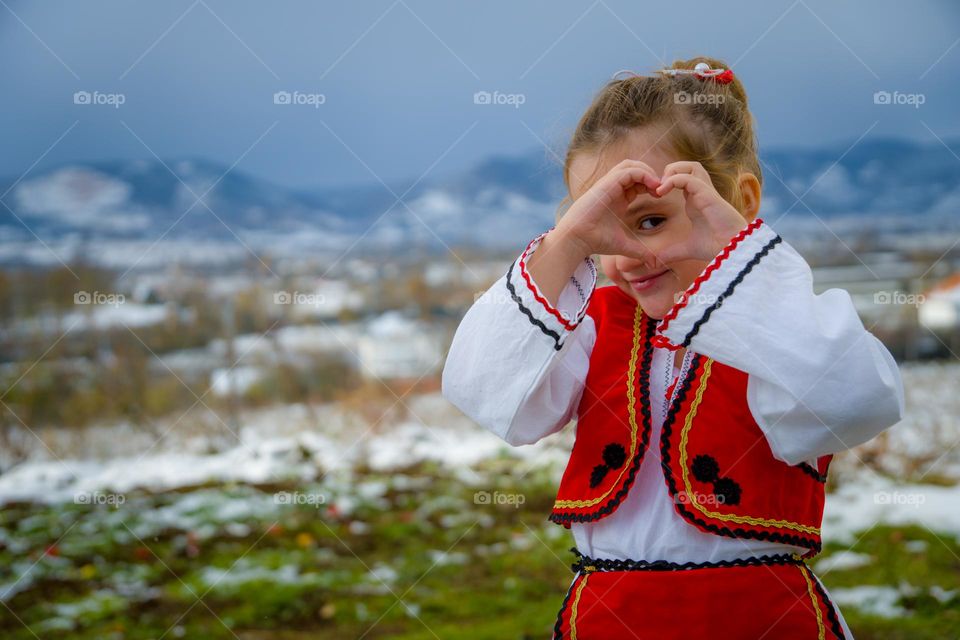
(704, 120)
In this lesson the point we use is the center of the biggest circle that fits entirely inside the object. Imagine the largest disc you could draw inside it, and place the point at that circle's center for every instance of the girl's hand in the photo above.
(595, 221)
(714, 221)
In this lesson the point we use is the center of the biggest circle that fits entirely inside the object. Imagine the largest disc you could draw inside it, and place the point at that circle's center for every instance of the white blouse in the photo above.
(818, 381)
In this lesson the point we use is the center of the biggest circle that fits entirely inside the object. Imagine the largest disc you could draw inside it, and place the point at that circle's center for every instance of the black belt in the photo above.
(588, 564)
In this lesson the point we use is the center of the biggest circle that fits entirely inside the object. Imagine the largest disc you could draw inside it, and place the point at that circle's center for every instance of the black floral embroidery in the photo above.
(706, 469)
(727, 491)
(598, 474)
(614, 455)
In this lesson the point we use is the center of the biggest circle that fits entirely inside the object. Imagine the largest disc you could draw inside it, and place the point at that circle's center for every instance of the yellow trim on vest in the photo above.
(573, 608)
(631, 410)
(727, 517)
(821, 630)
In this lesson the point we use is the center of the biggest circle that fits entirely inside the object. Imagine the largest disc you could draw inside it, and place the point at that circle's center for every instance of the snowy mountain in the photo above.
(194, 209)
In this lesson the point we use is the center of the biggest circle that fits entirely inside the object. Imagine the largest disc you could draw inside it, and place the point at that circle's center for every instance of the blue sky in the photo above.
(198, 77)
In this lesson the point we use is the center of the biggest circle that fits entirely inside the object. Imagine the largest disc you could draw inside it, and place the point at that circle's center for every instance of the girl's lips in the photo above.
(641, 284)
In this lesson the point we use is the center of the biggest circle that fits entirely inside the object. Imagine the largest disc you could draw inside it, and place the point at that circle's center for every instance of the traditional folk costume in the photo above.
(695, 495)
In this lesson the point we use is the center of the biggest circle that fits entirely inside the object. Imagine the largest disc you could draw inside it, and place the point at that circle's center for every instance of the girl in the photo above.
(711, 386)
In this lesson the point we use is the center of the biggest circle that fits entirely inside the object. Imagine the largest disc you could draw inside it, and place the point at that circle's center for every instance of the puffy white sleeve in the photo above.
(517, 364)
(819, 382)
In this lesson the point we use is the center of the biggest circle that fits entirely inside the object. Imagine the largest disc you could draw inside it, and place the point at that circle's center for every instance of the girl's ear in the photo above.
(749, 187)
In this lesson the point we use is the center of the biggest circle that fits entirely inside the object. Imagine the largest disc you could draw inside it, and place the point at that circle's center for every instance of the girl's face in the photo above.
(657, 222)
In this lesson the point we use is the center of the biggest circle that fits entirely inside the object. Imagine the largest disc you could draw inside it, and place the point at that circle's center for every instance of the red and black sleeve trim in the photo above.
(557, 344)
(535, 292)
(713, 266)
(813, 544)
(522, 292)
(663, 342)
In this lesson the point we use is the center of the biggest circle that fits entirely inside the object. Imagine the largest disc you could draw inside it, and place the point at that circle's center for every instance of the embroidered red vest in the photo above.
(718, 466)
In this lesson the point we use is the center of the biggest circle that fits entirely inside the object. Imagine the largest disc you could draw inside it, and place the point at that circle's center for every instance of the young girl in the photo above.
(710, 385)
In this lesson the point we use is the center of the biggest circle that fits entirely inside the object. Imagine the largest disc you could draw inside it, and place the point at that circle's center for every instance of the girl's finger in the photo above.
(674, 253)
(687, 166)
(688, 182)
(636, 163)
(638, 176)
(681, 166)
(635, 247)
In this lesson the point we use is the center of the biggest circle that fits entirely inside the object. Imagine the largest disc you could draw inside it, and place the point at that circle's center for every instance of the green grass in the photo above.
(896, 561)
(233, 558)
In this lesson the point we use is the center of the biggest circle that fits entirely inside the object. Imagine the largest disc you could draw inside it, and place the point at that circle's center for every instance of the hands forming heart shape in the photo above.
(713, 220)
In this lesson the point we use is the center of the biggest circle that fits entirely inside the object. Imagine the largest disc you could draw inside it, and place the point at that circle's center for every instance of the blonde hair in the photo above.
(712, 125)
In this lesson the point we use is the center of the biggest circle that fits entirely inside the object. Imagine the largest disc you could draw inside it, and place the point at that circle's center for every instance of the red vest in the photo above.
(718, 466)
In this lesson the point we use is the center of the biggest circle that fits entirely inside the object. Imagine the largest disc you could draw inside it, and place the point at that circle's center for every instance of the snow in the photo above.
(82, 197)
(302, 442)
(234, 380)
(234, 576)
(64, 480)
(842, 560)
(884, 601)
(874, 600)
(292, 441)
(872, 498)
(927, 439)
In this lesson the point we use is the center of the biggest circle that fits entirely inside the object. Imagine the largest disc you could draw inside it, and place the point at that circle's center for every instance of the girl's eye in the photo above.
(654, 221)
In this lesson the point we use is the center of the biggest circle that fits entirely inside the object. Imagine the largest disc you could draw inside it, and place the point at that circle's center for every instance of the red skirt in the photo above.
(773, 597)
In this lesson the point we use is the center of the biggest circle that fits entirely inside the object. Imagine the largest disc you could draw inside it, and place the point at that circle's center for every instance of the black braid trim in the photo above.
(738, 532)
(557, 634)
(576, 283)
(513, 294)
(811, 471)
(644, 394)
(603, 564)
(746, 269)
(831, 610)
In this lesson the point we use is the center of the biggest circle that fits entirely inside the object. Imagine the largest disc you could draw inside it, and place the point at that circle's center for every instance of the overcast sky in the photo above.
(398, 77)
